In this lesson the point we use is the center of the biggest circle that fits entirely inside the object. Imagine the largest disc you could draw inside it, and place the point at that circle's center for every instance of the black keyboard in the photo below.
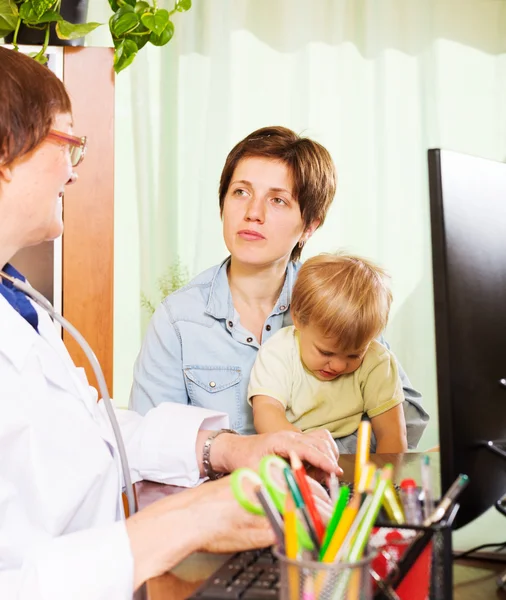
(251, 575)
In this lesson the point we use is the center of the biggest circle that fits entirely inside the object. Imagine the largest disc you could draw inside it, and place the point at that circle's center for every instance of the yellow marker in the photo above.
(363, 445)
(291, 546)
(392, 505)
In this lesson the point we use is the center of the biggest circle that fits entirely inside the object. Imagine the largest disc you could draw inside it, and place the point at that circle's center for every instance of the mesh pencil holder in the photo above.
(438, 547)
(301, 579)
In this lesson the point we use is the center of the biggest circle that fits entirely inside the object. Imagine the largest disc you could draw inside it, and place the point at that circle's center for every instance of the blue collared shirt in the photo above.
(18, 299)
(196, 351)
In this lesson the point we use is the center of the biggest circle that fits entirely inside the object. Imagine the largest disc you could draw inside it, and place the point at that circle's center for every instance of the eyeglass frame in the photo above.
(77, 142)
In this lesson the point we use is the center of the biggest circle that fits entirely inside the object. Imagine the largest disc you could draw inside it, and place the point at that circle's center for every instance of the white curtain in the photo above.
(378, 82)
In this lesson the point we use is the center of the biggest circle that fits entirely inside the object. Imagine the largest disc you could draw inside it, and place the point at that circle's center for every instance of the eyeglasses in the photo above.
(77, 145)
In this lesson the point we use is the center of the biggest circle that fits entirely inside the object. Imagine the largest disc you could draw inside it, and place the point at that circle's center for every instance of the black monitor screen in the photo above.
(468, 223)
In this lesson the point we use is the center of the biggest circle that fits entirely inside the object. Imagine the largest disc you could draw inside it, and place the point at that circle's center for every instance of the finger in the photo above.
(324, 509)
(321, 459)
(318, 491)
(327, 436)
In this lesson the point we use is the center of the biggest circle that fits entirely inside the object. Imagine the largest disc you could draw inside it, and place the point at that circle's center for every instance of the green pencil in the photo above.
(342, 501)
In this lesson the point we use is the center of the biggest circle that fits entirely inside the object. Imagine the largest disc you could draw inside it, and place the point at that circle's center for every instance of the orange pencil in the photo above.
(300, 476)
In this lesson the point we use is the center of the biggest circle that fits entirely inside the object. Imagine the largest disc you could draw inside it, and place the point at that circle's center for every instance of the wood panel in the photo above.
(88, 209)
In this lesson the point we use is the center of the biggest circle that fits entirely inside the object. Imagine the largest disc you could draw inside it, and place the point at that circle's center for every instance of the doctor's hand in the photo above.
(226, 526)
(231, 451)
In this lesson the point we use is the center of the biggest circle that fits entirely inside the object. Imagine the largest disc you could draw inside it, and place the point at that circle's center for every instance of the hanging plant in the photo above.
(132, 25)
(38, 17)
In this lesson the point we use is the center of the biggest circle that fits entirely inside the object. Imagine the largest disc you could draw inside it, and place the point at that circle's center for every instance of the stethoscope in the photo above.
(37, 297)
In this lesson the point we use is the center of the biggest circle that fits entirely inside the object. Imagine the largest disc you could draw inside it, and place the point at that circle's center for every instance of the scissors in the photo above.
(270, 476)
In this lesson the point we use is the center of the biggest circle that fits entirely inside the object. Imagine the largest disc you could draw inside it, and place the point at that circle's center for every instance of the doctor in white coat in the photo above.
(62, 529)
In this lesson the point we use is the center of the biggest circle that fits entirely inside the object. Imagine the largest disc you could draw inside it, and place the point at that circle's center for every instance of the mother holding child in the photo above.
(318, 346)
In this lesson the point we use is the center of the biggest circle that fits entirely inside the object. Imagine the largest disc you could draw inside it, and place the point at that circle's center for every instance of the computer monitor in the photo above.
(468, 223)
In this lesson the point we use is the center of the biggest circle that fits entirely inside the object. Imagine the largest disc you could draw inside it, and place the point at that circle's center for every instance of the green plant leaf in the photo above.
(49, 17)
(164, 37)
(141, 7)
(114, 5)
(8, 17)
(124, 55)
(124, 21)
(183, 5)
(71, 31)
(27, 12)
(129, 2)
(156, 22)
(40, 58)
(41, 6)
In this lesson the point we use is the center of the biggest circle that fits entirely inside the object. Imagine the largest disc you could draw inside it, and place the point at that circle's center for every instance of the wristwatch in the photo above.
(206, 453)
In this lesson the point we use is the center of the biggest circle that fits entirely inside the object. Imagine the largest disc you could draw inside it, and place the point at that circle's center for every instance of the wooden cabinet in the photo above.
(88, 209)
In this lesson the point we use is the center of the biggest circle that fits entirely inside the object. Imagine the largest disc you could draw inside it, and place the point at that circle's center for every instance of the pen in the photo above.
(299, 503)
(428, 503)
(300, 477)
(410, 502)
(272, 514)
(448, 499)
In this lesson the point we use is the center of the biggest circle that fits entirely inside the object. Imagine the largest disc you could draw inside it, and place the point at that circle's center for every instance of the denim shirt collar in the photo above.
(220, 305)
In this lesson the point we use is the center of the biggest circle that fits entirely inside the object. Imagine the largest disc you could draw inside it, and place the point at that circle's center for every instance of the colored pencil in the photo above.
(363, 448)
(300, 476)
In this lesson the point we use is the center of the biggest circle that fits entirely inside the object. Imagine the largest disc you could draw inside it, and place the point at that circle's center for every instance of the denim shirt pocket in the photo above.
(216, 388)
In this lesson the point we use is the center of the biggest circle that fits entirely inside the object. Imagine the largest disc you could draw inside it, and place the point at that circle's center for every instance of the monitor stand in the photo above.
(498, 447)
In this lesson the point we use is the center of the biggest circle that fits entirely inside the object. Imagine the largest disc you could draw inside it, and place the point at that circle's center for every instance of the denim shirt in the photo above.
(197, 352)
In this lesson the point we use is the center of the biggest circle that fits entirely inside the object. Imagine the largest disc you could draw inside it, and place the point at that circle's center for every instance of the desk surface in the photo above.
(473, 579)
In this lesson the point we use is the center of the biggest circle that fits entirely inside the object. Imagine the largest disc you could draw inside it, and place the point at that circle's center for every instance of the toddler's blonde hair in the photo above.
(346, 297)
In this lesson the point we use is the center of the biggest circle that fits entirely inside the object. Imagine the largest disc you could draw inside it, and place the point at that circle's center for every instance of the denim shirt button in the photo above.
(230, 324)
(249, 340)
(268, 327)
(212, 384)
(282, 307)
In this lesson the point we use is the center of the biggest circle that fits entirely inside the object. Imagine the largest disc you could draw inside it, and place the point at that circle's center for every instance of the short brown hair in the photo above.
(311, 166)
(346, 297)
(30, 97)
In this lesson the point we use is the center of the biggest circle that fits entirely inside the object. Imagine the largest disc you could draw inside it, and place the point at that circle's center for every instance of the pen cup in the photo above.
(388, 545)
(312, 580)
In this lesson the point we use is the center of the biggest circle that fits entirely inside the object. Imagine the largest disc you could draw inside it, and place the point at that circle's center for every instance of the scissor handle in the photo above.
(237, 482)
(276, 488)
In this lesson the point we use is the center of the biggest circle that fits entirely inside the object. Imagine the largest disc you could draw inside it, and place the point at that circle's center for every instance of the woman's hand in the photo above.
(226, 526)
(230, 451)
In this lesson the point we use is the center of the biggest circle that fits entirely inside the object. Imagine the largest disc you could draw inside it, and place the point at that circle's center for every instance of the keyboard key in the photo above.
(220, 593)
(259, 594)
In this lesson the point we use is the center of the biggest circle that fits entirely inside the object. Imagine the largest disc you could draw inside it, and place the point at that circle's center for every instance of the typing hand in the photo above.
(325, 436)
(319, 450)
(225, 525)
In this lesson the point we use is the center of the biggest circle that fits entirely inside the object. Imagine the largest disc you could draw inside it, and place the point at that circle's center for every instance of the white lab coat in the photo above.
(62, 533)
